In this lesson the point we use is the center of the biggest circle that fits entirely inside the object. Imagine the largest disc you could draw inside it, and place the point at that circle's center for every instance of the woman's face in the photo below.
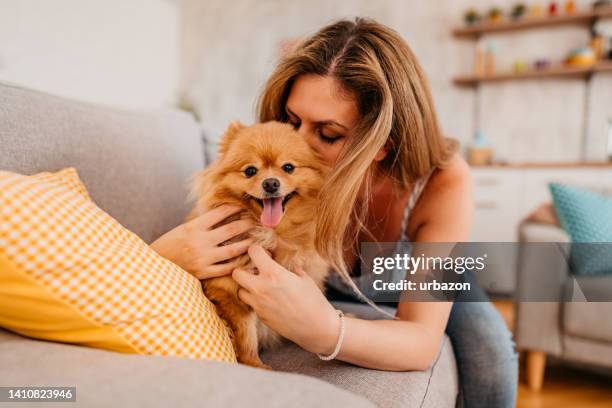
(323, 113)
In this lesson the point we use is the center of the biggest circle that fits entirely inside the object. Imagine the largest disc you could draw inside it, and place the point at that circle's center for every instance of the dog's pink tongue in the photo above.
(272, 212)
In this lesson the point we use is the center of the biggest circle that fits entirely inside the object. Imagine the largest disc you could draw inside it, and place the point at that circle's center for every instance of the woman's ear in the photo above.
(382, 153)
(229, 136)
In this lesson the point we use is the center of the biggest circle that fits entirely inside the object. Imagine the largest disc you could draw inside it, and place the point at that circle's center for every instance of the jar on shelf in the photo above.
(479, 60)
(597, 45)
(490, 58)
(480, 153)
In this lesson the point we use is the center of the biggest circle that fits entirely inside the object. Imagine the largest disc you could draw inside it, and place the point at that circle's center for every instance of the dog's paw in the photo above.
(257, 364)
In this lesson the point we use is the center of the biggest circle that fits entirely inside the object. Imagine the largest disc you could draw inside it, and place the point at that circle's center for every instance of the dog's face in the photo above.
(270, 170)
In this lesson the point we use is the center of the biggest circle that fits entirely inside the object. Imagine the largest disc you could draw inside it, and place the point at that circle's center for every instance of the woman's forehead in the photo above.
(319, 98)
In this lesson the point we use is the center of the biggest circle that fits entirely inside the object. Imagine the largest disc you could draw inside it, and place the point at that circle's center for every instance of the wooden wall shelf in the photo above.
(580, 18)
(559, 72)
(587, 18)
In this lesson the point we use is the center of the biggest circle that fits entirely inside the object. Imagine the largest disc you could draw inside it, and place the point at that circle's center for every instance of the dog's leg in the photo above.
(247, 345)
(240, 318)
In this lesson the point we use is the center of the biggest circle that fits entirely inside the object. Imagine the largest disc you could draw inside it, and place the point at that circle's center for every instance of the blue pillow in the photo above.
(587, 217)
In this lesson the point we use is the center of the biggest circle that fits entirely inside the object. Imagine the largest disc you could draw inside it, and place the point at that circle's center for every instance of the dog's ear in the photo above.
(229, 136)
(202, 185)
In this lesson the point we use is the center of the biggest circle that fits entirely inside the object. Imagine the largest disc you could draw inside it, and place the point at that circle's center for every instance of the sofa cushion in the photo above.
(590, 319)
(69, 272)
(587, 217)
(435, 387)
(107, 379)
(136, 165)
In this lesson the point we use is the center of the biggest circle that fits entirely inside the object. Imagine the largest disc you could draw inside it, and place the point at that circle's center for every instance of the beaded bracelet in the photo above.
(340, 340)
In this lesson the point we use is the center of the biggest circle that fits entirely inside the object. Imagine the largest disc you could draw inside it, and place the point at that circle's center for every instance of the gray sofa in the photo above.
(136, 166)
(565, 326)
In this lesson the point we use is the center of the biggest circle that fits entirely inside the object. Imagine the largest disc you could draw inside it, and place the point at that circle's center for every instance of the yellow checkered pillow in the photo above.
(69, 272)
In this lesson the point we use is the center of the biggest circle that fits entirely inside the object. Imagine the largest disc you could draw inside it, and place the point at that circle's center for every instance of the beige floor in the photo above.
(563, 386)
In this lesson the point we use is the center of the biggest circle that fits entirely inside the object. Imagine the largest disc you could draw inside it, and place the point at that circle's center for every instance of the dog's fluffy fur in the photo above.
(294, 176)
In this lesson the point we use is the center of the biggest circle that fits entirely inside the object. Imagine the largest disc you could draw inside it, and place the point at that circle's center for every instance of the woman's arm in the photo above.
(444, 214)
(291, 303)
(411, 343)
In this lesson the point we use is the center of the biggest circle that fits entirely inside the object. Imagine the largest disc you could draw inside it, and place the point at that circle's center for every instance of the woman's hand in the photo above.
(194, 246)
(289, 303)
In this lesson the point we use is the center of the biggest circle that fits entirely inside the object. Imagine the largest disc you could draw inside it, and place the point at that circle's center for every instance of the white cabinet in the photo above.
(497, 204)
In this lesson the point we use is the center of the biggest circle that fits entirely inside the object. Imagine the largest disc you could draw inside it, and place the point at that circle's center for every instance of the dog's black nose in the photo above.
(270, 185)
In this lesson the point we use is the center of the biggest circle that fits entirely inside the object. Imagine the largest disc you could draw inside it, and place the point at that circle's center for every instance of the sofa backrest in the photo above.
(136, 165)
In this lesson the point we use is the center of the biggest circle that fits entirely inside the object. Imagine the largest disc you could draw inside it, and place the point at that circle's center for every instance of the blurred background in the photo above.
(526, 87)
(215, 56)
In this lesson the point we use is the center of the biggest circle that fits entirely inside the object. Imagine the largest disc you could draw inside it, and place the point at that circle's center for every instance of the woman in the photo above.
(358, 96)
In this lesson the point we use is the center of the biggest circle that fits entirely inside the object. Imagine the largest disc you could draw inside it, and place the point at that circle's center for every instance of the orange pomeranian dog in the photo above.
(270, 171)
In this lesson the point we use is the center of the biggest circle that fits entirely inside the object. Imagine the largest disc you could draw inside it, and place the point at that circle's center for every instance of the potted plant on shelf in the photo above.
(471, 17)
(518, 11)
(495, 14)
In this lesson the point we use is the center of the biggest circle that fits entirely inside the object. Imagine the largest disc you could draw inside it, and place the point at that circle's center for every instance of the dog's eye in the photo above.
(288, 168)
(250, 171)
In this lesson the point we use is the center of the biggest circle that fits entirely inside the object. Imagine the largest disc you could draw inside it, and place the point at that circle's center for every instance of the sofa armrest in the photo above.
(542, 273)
(534, 232)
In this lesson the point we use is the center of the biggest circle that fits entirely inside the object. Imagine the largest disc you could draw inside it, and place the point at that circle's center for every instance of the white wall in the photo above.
(228, 51)
(118, 52)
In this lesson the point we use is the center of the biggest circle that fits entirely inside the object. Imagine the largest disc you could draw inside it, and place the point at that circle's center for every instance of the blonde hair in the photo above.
(373, 63)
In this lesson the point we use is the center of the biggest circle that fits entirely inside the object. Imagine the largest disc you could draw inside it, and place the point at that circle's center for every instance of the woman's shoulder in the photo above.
(448, 194)
(455, 173)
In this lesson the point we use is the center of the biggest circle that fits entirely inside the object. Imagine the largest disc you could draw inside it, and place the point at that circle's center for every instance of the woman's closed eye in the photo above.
(324, 136)
(331, 139)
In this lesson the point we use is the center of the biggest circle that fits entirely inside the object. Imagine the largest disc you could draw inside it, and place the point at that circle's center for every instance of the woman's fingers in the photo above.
(262, 260)
(245, 278)
(226, 252)
(211, 218)
(229, 231)
(246, 297)
(216, 270)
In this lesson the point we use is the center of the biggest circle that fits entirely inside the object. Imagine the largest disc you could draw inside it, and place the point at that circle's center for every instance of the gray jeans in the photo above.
(485, 353)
